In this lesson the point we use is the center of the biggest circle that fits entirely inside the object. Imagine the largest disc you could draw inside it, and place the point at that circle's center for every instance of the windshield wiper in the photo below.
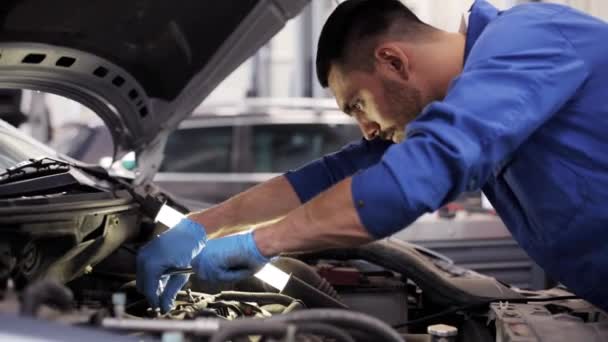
(47, 166)
(39, 166)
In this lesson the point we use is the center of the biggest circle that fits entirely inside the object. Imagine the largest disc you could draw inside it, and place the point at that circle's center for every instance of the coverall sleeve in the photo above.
(316, 176)
(518, 75)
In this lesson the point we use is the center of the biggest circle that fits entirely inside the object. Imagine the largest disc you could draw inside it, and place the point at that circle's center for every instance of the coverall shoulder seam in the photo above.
(568, 41)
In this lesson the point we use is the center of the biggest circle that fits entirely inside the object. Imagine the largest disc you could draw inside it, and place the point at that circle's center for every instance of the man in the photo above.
(515, 105)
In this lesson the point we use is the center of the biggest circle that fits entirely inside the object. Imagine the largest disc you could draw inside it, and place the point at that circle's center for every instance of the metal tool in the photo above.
(174, 271)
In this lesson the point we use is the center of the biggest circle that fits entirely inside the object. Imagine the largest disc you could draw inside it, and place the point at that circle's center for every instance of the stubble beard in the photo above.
(403, 104)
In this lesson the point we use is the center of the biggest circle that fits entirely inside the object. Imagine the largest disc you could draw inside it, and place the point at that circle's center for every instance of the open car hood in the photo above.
(142, 65)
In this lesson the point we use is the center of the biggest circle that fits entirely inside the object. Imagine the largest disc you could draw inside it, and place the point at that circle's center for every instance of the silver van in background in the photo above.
(222, 150)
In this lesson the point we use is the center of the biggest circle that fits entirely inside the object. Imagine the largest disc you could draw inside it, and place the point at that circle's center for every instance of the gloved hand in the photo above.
(230, 258)
(174, 248)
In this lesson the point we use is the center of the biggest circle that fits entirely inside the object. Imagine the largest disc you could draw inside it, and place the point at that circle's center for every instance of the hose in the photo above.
(45, 292)
(324, 286)
(232, 329)
(344, 319)
(308, 274)
(351, 325)
(310, 295)
(259, 297)
(295, 305)
(324, 330)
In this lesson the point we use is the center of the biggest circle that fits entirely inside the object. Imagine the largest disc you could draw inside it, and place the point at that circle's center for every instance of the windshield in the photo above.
(16, 147)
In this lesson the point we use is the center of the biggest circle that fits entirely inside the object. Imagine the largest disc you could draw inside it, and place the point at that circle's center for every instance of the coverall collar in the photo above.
(482, 12)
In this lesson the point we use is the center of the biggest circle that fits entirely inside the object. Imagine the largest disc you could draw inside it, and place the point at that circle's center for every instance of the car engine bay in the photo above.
(70, 236)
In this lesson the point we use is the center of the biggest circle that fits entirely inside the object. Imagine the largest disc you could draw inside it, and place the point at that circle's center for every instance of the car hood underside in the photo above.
(143, 66)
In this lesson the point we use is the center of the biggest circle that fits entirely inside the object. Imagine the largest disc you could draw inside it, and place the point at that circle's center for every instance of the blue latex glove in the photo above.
(174, 248)
(228, 259)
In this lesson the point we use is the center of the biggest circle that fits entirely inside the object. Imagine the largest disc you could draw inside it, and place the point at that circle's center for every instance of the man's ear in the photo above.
(390, 59)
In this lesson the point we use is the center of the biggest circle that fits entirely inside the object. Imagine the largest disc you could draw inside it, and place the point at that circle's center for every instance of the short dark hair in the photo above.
(355, 20)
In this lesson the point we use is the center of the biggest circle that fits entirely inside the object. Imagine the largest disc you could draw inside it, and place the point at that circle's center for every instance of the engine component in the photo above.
(306, 273)
(7, 263)
(444, 284)
(18, 328)
(362, 326)
(59, 219)
(537, 322)
(56, 239)
(311, 296)
(260, 298)
(119, 300)
(317, 321)
(291, 286)
(226, 305)
(288, 331)
(442, 333)
(370, 289)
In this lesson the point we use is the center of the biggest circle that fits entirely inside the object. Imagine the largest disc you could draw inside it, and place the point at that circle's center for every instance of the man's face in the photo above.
(381, 104)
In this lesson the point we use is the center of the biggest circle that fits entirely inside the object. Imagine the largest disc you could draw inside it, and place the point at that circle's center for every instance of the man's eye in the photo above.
(358, 106)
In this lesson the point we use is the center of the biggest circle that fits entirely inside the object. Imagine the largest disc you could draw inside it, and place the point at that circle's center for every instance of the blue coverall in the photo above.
(526, 121)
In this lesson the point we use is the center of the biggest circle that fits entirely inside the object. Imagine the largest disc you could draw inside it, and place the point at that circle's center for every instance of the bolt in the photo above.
(119, 300)
(442, 333)
(30, 258)
(290, 334)
(190, 296)
(88, 269)
(172, 336)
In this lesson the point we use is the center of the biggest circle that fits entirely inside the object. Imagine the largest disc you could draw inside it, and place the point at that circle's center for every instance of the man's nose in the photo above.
(370, 129)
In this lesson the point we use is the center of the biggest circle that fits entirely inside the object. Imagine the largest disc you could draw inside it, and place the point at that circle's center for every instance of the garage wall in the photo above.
(446, 15)
(282, 53)
(427, 9)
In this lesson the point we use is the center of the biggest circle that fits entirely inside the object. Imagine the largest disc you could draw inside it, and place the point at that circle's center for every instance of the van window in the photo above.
(278, 148)
(199, 150)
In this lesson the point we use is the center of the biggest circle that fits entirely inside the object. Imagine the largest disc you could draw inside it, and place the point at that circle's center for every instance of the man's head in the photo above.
(377, 58)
